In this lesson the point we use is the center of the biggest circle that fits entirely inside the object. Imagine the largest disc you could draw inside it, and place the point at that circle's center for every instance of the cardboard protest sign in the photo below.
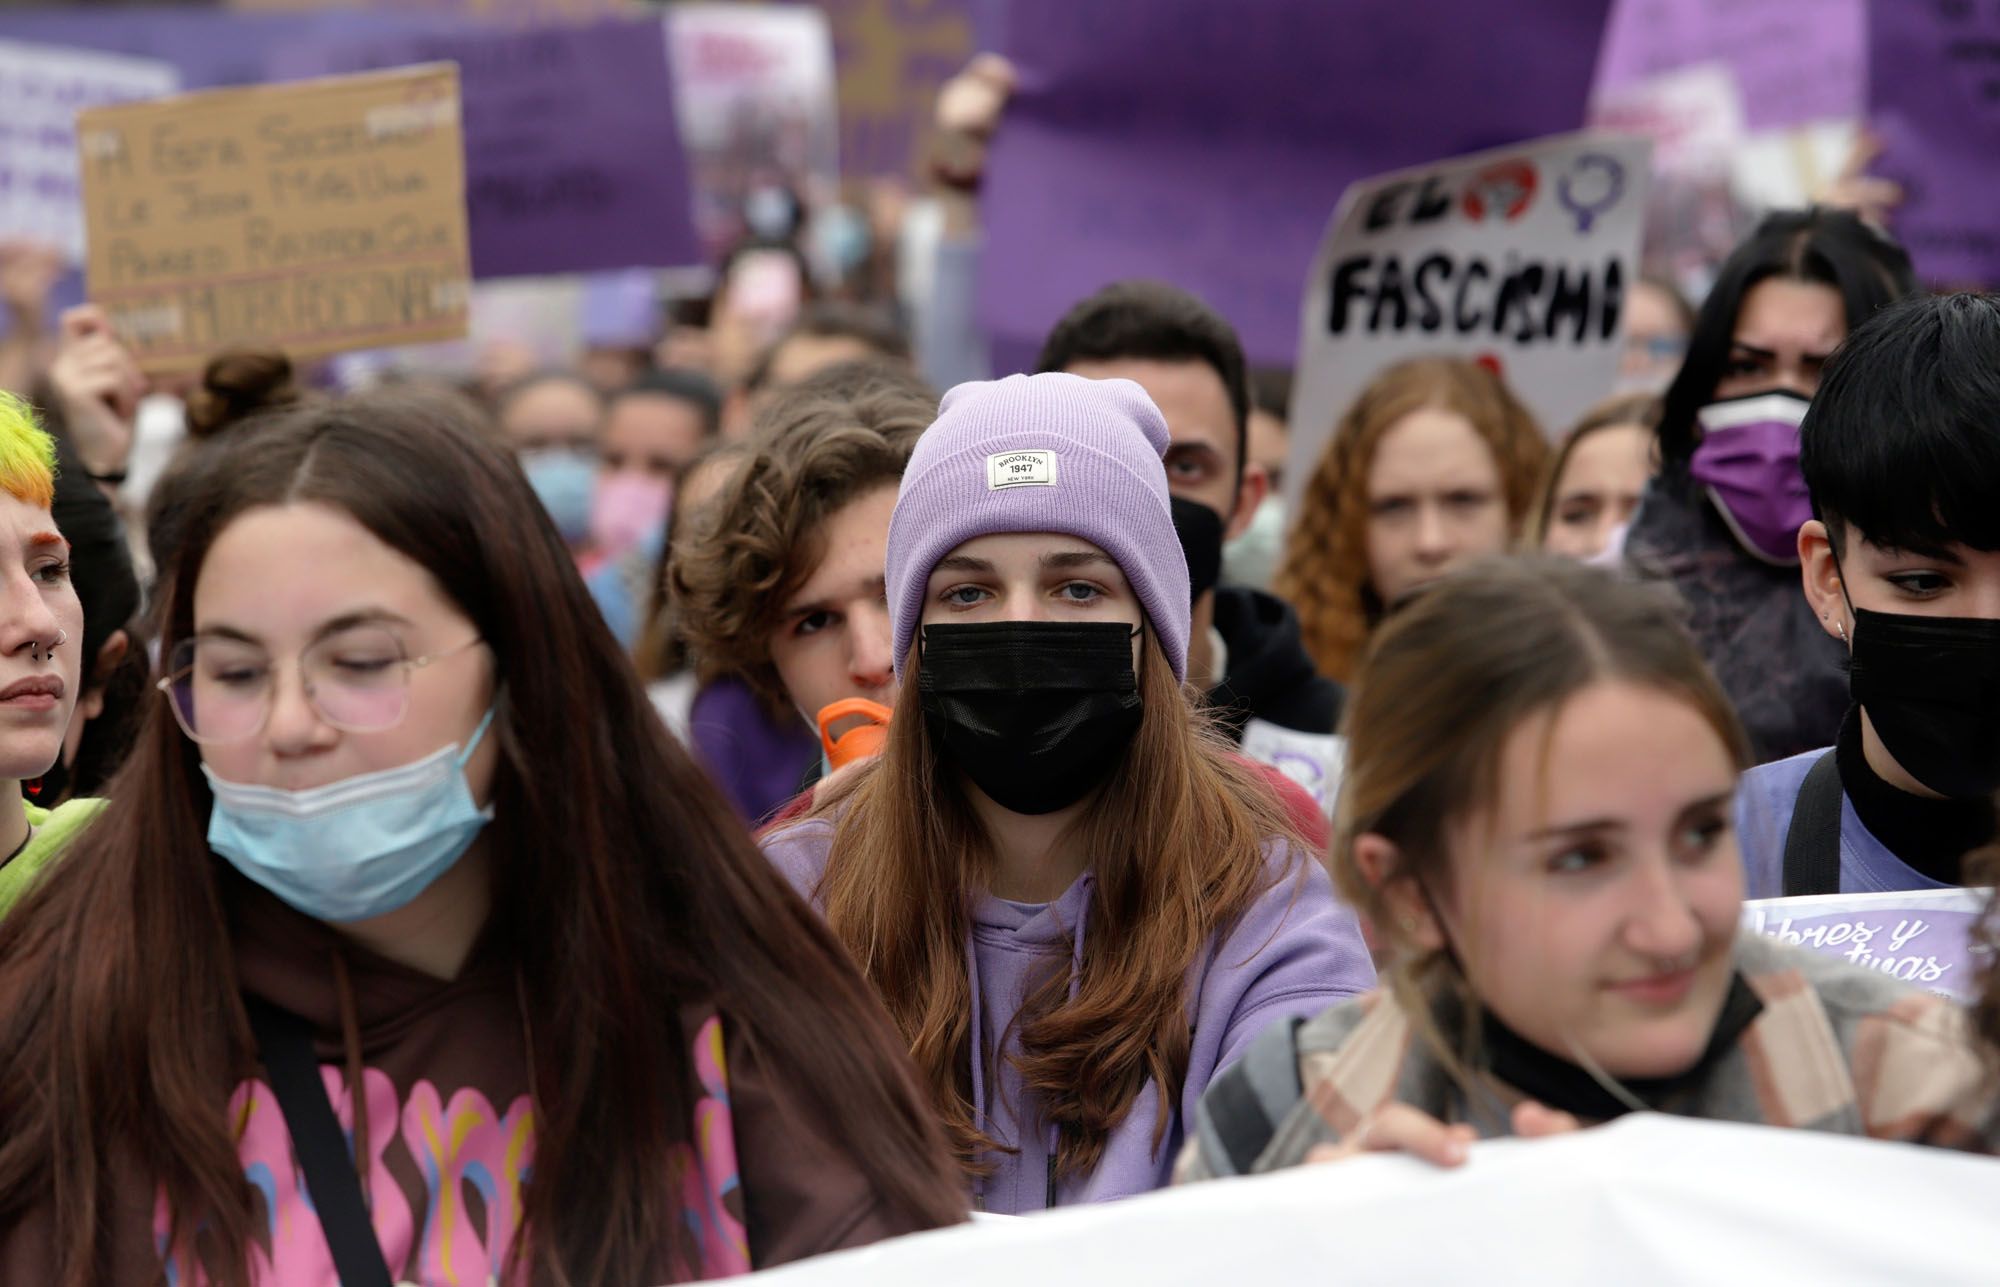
(1922, 937)
(44, 88)
(1797, 60)
(315, 217)
(754, 92)
(1934, 101)
(1203, 143)
(573, 157)
(1519, 258)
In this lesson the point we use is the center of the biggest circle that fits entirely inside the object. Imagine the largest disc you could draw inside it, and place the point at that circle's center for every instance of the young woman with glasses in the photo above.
(410, 947)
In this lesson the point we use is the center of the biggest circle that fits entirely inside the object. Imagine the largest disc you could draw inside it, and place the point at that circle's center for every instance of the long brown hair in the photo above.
(621, 882)
(1448, 678)
(1176, 835)
(1325, 569)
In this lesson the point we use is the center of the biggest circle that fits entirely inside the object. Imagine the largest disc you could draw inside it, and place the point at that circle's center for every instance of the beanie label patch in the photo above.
(1020, 469)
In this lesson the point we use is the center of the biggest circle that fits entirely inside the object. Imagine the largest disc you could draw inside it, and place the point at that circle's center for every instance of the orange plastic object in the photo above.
(857, 743)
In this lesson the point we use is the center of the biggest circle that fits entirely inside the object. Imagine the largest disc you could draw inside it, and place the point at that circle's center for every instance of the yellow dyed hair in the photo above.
(27, 454)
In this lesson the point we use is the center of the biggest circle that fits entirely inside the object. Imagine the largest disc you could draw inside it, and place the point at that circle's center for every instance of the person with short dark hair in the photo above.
(1720, 523)
(1901, 451)
(1244, 652)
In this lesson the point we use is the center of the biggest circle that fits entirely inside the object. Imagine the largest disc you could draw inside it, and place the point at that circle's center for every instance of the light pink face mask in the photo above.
(629, 512)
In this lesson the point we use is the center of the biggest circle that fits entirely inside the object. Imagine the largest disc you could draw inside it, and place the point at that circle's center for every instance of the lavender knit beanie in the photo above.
(1043, 453)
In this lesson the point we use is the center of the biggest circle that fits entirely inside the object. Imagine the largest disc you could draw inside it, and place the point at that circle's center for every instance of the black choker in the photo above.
(1558, 1083)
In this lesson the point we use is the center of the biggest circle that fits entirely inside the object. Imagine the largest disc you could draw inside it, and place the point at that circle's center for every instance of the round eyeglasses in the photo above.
(357, 680)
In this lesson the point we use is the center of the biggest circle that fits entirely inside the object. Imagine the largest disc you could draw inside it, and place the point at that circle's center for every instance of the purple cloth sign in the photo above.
(210, 47)
(573, 158)
(1206, 144)
(1934, 99)
(1923, 937)
(1797, 60)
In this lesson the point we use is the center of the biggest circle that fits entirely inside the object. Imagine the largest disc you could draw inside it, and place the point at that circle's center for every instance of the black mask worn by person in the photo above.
(1036, 713)
(1931, 688)
(1200, 531)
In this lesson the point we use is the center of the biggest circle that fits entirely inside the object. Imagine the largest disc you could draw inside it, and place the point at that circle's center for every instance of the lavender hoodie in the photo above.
(1296, 951)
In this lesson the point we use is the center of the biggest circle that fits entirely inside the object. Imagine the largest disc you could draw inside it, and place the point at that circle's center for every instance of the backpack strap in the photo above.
(1243, 1107)
(1812, 841)
(284, 1042)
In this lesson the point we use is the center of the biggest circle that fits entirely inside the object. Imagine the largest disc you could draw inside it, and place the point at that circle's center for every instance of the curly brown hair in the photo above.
(1325, 570)
(818, 447)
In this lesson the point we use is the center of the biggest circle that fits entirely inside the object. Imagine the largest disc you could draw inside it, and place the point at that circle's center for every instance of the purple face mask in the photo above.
(1748, 459)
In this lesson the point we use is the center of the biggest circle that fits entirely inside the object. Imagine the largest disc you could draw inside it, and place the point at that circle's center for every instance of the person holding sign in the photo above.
(375, 919)
(1901, 452)
(1721, 522)
(1075, 900)
(1435, 464)
(1536, 816)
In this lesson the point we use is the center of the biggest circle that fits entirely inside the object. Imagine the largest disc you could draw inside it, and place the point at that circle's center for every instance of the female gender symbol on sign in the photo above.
(1602, 180)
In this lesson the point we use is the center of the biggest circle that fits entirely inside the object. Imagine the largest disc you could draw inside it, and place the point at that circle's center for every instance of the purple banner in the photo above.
(573, 159)
(1797, 60)
(1207, 144)
(210, 47)
(1934, 100)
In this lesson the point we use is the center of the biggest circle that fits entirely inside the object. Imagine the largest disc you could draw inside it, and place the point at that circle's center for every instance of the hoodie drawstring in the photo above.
(1075, 985)
(350, 1039)
(978, 1065)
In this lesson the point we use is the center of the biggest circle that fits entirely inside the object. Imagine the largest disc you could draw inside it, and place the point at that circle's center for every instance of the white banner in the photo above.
(1520, 258)
(1646, 1200)
(43, 88)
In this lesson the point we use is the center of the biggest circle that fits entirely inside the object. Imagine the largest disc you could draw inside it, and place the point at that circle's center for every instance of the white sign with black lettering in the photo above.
(1519, 258)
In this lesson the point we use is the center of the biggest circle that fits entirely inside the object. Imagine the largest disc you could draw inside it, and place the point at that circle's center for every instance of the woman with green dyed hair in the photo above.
(41, 648)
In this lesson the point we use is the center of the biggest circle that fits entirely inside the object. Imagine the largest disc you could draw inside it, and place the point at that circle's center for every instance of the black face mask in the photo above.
(1036, 713)
(1931, 688)
(1200, 530)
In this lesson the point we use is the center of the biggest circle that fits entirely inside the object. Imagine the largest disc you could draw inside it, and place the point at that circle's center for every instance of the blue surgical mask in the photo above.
(355, 849)
(564, 481)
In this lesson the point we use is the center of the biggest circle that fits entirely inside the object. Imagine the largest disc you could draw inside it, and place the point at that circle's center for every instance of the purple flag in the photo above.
(1206, 144)
(1934, 99)
(573, 158)
(1797, 60)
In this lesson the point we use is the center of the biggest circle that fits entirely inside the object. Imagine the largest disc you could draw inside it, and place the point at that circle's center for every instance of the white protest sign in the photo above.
(1519, 257)
(44, 86)
(1646, 1200)
(1922, 936)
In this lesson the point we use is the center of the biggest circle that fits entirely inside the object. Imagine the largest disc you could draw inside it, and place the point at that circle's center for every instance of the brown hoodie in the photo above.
(449, 1130)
